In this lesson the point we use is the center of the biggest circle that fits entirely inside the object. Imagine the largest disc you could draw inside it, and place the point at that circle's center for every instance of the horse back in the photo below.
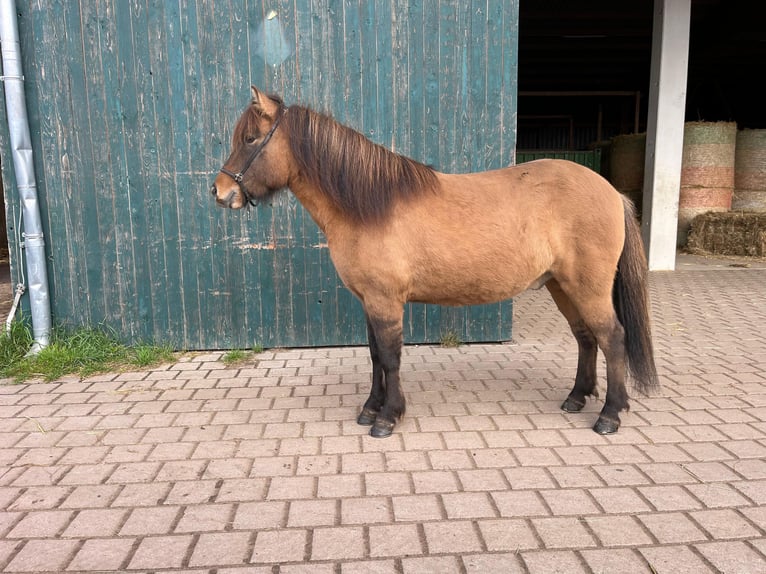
(487, 236)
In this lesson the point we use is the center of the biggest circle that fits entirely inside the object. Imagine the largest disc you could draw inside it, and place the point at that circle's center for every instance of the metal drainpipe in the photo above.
(21, 148)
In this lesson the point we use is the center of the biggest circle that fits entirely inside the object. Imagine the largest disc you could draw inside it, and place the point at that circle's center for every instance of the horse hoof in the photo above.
(366, 417)
(606, 426)
(572, 406)
(381, 428)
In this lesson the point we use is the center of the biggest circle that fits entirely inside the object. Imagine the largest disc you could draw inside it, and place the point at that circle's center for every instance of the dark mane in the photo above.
(364, 179)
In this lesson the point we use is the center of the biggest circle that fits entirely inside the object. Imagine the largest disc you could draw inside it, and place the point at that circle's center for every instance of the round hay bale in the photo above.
(707, 171)
(626, 161)
(750, 171)
(626, 166)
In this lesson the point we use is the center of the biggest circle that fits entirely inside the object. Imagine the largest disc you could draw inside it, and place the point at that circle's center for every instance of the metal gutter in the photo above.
(23, 165)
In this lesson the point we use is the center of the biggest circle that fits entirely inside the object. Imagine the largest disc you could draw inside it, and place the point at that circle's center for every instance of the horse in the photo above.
(400, 231)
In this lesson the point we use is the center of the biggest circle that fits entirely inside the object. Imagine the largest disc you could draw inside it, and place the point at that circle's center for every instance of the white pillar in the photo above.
(665, 131)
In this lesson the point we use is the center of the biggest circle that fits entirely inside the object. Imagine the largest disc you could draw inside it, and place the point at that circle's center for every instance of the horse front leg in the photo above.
(387, 333)
(378, 390)
(585, 379)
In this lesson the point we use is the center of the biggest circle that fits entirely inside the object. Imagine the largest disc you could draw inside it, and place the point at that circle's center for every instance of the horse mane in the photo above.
(362, 178)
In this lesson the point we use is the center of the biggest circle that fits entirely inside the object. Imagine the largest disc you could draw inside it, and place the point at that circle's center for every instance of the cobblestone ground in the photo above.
(200, 468)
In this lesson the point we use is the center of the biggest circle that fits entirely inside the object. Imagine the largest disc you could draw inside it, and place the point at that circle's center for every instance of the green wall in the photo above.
(132, 105)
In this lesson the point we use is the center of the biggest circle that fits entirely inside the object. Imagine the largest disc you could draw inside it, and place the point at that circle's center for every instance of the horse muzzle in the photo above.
(231, 198)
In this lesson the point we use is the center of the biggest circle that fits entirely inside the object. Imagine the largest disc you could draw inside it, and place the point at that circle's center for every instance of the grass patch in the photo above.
(237, 356)
(84, 351)
(450, 339)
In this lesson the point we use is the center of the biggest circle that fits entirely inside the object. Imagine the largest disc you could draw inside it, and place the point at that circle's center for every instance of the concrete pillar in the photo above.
(665, 131)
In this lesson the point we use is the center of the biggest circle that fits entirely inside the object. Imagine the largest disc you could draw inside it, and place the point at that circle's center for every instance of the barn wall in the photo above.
(132, 105)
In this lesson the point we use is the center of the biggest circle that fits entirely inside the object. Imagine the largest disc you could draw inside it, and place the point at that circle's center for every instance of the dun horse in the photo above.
(400, 231)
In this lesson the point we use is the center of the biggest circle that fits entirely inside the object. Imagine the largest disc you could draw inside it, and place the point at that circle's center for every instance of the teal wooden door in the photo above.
(132, 103)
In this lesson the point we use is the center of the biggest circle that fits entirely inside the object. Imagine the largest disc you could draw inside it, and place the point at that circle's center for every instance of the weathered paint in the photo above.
(132, 103)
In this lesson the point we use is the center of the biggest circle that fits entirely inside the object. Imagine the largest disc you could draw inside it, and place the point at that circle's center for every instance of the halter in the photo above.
(240, 175)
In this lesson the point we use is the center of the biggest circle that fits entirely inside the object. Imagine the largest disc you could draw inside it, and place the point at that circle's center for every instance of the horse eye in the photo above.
(250, 139)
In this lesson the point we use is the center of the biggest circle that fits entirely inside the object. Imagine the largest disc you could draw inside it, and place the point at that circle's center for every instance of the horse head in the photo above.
(257, 166)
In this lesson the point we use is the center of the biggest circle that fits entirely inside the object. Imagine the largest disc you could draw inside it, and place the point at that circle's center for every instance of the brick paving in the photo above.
(200, 468)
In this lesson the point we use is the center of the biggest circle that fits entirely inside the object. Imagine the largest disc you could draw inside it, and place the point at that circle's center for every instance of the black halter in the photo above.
(240, 175)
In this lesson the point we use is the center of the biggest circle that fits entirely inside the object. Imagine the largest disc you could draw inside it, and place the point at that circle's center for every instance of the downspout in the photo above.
(23, 165)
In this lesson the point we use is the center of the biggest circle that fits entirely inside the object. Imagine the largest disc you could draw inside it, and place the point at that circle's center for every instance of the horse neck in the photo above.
(321, 208)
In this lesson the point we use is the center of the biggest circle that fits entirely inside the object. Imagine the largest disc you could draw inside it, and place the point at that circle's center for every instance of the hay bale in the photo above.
(626, 165)
(731, 233)
(707, 171)
(750, 171)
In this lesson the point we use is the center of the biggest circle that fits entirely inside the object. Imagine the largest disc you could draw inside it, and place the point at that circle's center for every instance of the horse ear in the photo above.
(257, 96)
(263, 103)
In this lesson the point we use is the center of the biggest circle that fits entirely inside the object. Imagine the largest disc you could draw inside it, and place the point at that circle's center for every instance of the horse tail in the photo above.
(631, 302)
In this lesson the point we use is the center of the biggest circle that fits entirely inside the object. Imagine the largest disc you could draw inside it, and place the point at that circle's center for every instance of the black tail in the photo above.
(631, 302)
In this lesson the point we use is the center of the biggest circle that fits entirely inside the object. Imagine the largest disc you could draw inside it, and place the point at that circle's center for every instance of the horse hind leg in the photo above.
(611, 339)
(587, 350)
(597, 313)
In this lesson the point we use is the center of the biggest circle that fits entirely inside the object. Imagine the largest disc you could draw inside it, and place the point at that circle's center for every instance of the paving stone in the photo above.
(549, 562)
(395, 540)
(724, 523)
(457, 536)
(674, 560)
(142, 494)
(338, 543)
(41, 524)
(91, 496)
(569, 502)
(312, 513)
(367, 510)
(96, 522)
(100, 555)
(441, 564)
(614, 561)
(277, 546)
(369, 567)
(391, 483)
(153, 520)
(507, 535)
(614, 531)
(563, 533)
(260, 515)
(221, 548)
(417, 507)
(468, 505)
(669, 498)
(155, 552)
(482, 480)
(520, 503)
(507, 563)
(201, 518)
(732, 557)
(200, 467)
(40, 497)
(43, 556)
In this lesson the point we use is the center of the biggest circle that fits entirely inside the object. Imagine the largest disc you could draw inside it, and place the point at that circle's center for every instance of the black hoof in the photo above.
(606, 426)
(572, 406)
(381, 428)
(366, 417)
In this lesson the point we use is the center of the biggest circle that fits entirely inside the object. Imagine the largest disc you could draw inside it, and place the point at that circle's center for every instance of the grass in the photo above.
(450, 339)
(236, 356)
(84, 351)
